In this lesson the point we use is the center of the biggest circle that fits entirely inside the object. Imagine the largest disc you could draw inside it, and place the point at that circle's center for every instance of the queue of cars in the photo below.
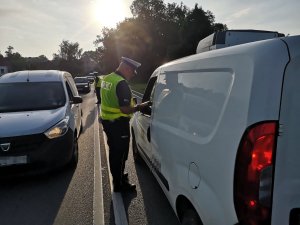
(40, 121)
(83, 83)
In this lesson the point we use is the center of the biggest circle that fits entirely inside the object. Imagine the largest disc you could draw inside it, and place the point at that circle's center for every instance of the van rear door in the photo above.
(286, 193)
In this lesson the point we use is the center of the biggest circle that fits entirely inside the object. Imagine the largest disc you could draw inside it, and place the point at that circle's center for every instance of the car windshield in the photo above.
(16, 97)
(81, 80)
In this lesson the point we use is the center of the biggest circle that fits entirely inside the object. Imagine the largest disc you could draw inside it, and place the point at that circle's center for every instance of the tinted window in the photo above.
(31, 96)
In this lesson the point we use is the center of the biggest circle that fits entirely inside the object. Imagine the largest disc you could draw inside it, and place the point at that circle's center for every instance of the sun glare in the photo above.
(109, 12)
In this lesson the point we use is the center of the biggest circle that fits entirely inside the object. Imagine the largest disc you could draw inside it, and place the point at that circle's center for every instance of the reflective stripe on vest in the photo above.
(110, 109)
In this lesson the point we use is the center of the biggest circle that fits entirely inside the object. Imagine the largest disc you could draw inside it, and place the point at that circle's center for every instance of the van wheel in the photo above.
(190, 217)
(136, 155)
(74, 159)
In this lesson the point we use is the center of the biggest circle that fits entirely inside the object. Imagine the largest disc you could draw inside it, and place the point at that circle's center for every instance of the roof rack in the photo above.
(223, 39)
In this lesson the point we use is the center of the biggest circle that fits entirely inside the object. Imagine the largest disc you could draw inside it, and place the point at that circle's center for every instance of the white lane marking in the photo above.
(118, 204)
(98, 209)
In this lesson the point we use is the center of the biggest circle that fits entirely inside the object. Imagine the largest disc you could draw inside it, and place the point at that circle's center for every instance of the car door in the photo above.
(143, 122)
(75, 109)
(286, 195)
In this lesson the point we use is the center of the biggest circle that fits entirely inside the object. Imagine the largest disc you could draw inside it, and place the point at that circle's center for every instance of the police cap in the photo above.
(130, 62)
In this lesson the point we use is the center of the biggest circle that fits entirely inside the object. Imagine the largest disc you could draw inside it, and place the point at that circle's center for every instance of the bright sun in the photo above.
(109, 12)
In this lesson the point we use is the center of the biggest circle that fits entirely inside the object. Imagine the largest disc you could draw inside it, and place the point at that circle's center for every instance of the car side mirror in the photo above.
(76, 100)
(148, 109)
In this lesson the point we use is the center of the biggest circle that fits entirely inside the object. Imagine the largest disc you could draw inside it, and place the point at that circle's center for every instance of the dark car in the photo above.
(91, 79)
(82, 84)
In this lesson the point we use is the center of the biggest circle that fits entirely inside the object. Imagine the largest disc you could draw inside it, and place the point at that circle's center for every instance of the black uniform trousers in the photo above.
(118, 137)
(97, 89)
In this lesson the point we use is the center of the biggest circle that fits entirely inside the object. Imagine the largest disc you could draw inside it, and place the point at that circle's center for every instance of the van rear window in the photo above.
(31, 96)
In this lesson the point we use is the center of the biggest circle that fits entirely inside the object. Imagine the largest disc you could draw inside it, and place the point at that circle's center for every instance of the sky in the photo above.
(38, 27)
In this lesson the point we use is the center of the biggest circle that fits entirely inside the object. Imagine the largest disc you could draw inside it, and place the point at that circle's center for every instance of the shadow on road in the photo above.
(154, 208)
(33, 200)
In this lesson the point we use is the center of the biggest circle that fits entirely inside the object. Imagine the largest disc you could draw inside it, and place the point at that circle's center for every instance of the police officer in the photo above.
(97, 88)
(116, 109)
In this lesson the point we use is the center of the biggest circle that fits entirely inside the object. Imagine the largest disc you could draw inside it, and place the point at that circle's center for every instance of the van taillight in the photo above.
(254, 174)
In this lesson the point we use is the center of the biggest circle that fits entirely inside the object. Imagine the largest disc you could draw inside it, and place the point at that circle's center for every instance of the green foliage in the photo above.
(139, 87)
(156, 34)
(68, 51)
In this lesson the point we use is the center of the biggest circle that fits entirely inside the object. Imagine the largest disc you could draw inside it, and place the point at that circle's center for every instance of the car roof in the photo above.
(80, 77)
(32, 76)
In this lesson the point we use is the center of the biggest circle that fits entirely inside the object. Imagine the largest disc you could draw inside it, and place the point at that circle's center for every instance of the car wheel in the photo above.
(74, 159)
(136, 155)
(190, 217)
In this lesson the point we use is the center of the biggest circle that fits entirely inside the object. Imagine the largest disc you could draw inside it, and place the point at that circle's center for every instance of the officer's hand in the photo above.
(142, 106)
(145, 104)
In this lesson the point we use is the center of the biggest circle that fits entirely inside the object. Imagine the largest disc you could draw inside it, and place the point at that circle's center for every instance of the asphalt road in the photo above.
(148, 205)
(65, 197)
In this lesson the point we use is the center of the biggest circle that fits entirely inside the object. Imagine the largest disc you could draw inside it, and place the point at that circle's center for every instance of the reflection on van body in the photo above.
(199, 89)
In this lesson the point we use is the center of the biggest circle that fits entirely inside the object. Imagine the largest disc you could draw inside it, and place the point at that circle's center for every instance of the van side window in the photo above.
(148, 95)
(168, 98)
(192, 101)
(206, 94)
(149, 89)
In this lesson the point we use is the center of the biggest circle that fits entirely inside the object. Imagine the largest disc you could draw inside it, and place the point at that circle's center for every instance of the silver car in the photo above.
(40, 121)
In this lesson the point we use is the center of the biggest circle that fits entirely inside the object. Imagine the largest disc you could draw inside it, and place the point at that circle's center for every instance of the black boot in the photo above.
(127, 187)
(125, 177)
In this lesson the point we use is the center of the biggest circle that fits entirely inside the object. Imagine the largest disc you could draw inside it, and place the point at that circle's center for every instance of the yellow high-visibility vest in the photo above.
(110, 109)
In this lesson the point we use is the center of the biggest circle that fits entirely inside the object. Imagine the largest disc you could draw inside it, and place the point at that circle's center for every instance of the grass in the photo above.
(139, 87)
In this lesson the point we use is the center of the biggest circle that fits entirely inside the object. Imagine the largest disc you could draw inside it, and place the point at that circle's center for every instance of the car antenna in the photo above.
(27, 76)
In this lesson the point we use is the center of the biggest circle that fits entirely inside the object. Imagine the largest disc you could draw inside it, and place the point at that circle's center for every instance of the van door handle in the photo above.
(148, 134)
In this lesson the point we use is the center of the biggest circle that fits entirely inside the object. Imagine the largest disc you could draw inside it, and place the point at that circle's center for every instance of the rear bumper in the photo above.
(45, 155)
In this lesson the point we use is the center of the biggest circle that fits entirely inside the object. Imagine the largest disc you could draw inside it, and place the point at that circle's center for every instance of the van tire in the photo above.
(136, 155)
(190, 217)
(74, 159)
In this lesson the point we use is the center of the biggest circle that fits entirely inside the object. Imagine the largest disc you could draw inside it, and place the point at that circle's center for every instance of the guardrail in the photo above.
(138, 95)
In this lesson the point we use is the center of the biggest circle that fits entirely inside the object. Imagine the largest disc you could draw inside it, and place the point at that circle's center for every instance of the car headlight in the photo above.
(59, 129)
(85, 85)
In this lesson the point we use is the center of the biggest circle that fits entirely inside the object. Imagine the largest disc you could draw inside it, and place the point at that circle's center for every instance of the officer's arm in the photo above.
(127, 109)
(124, 97)
(138, 107)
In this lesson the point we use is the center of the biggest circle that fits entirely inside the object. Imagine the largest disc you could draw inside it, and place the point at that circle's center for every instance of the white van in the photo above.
(222, 134)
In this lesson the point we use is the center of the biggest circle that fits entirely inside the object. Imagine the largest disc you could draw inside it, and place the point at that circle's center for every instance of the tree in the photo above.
(15, 59)
(68, 58)
(148, 9)
(220, 27)
(9, 51)
(91, 61)
(68, 51)
(198, 25)
(156, 34)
